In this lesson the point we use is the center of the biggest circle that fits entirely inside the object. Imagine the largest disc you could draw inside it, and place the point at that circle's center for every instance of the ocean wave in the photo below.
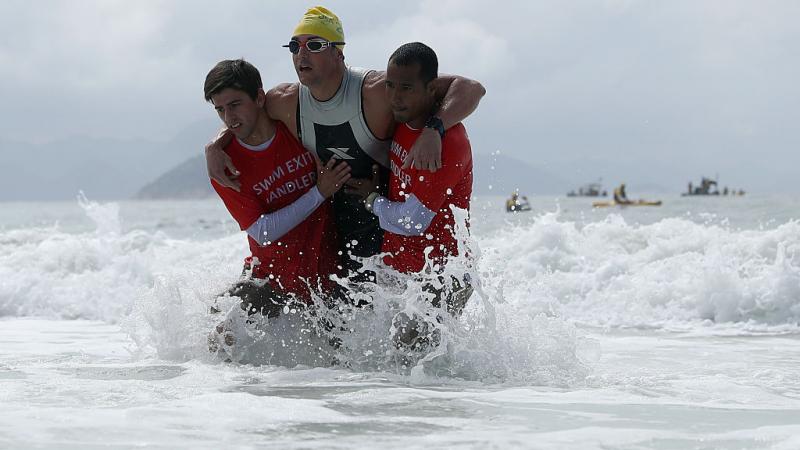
(99, 275)
(535, 283)
(672, 273)
(606, 273)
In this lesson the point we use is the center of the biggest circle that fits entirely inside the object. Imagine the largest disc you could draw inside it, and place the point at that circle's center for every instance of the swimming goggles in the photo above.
(312, 45)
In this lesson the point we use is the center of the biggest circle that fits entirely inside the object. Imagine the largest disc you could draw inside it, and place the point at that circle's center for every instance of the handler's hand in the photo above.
(426, 153)
(332, 176)
(362, 187)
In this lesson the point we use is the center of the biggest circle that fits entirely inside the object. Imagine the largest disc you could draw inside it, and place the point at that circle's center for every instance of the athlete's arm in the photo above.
(281, 105)
(217, 161)
(459, 97)
(377, 111)
(408, 218)
(272, 226)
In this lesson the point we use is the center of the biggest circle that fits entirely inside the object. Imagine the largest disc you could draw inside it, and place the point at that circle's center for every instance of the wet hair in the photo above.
(235, 74)
(417, 52)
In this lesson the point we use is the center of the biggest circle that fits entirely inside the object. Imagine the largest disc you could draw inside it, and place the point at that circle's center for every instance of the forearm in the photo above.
(273, 226)
(409, 218)
(461, 100)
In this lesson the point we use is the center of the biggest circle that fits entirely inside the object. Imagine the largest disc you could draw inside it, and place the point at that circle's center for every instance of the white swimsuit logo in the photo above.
(340, 152)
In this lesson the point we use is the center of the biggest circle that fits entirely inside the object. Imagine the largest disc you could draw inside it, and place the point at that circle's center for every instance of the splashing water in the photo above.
(483, 344)
(104, 216)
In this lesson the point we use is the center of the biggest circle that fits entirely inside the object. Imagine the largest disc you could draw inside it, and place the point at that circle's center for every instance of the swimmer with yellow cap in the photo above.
(316, 48)
(320, 21)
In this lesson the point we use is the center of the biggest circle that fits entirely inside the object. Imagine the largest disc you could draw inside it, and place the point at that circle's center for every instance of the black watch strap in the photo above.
(436, 123)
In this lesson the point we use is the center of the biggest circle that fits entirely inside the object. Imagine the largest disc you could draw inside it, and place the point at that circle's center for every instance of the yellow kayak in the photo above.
(634, 203)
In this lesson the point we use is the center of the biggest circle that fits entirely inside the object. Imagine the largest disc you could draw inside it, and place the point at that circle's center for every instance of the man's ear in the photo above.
(261, 98)
(431, 87)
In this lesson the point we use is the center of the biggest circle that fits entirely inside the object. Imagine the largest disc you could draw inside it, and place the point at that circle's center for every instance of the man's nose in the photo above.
(303, 50)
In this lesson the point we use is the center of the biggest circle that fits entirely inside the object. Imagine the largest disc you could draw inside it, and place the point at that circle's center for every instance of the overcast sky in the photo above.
(694, 86)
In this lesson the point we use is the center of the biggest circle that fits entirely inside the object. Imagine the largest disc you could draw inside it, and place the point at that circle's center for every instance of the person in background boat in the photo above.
(341, 112)
(620, 196)
(517, 203)
(283, 204)
(416, 214)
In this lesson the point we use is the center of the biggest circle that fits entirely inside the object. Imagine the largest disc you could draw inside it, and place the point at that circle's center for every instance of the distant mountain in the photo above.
(109, 169)
(187, 180)
(500, 175)
(105, 169)
(492, 175)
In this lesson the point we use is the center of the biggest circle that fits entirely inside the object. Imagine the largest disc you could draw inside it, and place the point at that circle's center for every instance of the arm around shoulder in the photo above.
(217, 161)
(459, 96)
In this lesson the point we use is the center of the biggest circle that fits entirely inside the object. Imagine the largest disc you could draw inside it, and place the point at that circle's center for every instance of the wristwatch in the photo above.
(435, 123)
(370, 200)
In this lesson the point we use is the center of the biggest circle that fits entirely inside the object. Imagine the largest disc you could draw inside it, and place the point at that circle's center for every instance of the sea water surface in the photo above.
(649, 327)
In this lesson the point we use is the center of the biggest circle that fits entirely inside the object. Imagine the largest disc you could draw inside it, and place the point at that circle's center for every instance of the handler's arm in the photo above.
(270, 227)
(408, 218)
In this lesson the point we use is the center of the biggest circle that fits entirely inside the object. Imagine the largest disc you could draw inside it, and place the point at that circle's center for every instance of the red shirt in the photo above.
(450, 185)
(272, 179)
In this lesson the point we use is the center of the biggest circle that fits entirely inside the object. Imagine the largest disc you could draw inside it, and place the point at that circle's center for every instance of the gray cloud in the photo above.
(616, 86)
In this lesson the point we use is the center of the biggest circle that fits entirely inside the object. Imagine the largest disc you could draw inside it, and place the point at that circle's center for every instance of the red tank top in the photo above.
(272, 179)
(450, 185)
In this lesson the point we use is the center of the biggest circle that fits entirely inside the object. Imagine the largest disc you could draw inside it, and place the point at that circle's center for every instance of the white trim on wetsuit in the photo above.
(408, 218)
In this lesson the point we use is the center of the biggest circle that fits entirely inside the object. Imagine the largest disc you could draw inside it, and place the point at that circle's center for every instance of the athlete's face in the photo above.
(314, 68)
(238, 111)
(409, 97)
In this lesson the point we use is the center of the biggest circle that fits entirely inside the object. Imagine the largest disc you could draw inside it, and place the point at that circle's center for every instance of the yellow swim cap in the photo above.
(321, 22)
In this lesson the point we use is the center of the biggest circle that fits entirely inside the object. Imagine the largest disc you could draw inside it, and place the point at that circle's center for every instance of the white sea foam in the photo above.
(524, 363)
(536, 281)
(671, 273)
(100, 274)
